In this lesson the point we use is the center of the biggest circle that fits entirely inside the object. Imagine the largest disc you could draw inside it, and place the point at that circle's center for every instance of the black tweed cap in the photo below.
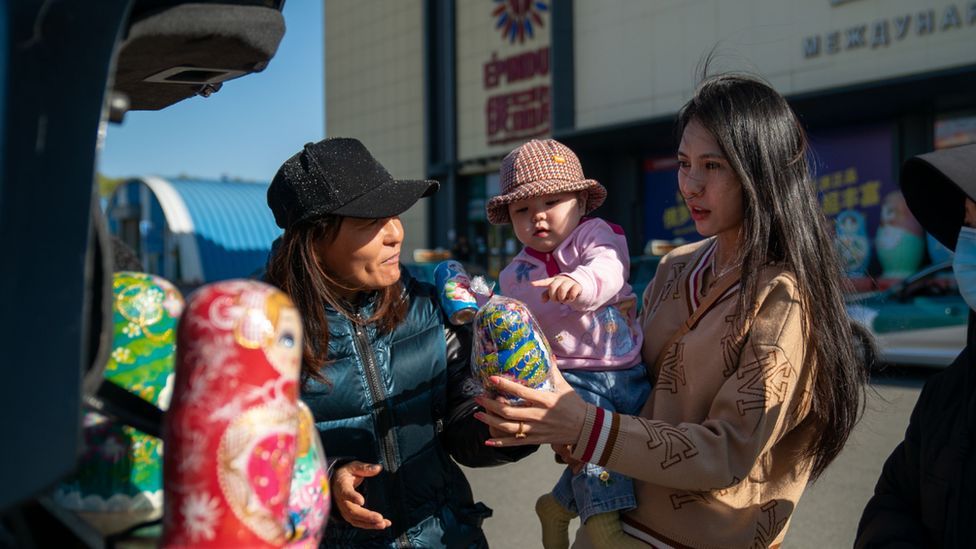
(339, 176)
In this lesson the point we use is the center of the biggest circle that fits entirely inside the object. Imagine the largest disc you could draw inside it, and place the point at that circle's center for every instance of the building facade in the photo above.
(446, 89)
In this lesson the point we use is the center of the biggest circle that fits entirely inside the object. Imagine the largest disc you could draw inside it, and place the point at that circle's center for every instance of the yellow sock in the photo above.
(555, 522)
(605, 532)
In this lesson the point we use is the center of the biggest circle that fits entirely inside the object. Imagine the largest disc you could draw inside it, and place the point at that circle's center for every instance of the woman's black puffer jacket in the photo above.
(405, 400)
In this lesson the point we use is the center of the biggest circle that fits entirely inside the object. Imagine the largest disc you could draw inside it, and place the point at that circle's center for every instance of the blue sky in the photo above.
(245, 130)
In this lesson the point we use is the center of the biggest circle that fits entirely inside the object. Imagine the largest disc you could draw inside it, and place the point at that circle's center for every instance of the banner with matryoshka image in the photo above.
(877, 238)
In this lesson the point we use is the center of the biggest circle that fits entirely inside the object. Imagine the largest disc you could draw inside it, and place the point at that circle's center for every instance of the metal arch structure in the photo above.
(180, 225)
(214, 229)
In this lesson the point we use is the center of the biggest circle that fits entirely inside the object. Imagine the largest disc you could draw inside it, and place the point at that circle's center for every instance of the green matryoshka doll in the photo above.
(118, 482)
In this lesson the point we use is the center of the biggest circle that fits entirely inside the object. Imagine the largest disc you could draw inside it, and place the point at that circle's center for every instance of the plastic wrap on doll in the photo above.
(118, 482)
(454, 290)
(508, 342)
(233, 433)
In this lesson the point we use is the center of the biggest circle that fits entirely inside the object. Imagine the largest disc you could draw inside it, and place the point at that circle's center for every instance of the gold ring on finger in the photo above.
(520, 434)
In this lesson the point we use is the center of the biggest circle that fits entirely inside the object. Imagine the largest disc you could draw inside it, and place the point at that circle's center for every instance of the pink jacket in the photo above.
(599, 330)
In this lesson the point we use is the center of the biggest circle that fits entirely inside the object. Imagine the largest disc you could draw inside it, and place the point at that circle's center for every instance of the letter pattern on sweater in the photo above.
(730, 413)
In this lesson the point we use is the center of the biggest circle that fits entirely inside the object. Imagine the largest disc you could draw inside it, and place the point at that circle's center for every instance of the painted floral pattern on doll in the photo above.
(309, 502)
(233, 433)
(118, 482)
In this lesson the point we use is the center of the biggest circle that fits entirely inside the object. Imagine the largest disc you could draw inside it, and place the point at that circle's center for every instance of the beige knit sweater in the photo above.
(718, 465)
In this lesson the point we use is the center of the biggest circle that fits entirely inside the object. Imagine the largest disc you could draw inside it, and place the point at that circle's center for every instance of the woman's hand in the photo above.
(543, 416)
(350, 502)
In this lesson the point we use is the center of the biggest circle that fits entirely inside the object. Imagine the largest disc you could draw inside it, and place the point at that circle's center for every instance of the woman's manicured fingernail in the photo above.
(495, 380)
(493, 443)
(480, 416)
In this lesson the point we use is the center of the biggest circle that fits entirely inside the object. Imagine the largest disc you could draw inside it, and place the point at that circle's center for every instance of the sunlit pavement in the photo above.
(828, 513)
(826, 517)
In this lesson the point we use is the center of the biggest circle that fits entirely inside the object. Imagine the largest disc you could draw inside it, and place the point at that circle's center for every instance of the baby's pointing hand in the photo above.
(559, 288)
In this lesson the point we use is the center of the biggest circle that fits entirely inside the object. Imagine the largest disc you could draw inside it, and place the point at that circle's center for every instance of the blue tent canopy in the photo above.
(194, 231)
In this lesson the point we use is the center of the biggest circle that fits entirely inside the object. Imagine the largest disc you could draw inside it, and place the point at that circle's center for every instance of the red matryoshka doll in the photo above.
(232, 430)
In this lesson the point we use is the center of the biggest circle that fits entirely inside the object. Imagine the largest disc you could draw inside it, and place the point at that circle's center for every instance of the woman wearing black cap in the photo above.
(386, 377)
(926, 496)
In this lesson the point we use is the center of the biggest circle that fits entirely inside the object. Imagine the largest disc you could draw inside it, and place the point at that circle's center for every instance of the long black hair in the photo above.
(782, 222)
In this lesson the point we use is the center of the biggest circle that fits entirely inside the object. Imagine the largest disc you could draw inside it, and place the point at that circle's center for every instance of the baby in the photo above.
(572, 274)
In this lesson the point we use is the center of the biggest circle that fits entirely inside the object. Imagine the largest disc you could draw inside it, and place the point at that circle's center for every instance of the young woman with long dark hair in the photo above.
(758, 370)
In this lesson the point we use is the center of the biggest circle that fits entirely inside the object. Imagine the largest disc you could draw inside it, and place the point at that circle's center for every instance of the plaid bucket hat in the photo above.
(538, 168)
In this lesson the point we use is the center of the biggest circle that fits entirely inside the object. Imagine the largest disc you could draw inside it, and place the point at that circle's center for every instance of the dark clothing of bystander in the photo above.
(926, 496)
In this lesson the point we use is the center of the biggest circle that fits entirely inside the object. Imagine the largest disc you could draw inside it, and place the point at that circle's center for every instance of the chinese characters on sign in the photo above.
(522, 114)
(677, 215)
(842, 190)
(517, 116)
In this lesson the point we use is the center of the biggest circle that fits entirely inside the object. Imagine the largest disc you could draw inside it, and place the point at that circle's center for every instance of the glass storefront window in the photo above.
(489, 246)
